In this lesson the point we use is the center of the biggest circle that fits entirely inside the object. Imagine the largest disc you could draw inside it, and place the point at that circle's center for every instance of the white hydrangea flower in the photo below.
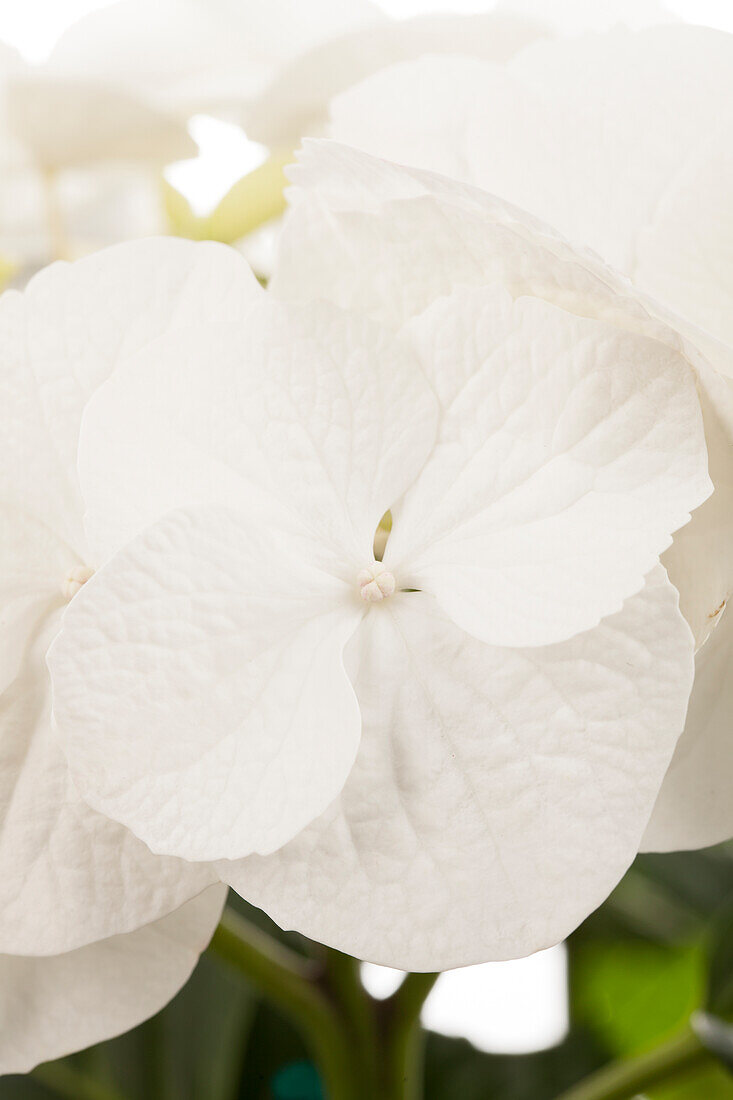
(84, 905)
(640, 168)
(449, 754)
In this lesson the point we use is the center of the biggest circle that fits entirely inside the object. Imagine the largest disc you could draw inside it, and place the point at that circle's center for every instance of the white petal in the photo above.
(388, 240)
(700, 560)
(324, 412)
(57, 856)
(33, 564)
(65, 334)
(65, 123)
(568, 453)
(694, 807)
(56, 1005)
(199, 687)
(498, 794)
(685, 253)
(650, 99)
(424, 112)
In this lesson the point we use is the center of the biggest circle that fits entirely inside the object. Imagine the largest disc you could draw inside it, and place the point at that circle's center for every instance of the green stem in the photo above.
(404, 1038)
(65, 1080)
(292, 984)
(628, 1078)
(342, 978)
(363, 1048)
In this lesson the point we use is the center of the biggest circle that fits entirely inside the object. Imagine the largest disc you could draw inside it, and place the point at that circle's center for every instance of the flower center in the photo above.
(74, 579)
(375, 583)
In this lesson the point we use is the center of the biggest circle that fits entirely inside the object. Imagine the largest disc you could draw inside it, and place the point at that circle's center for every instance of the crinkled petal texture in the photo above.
(56, 1005)
(568, 452)
(310, 418)
(694, 807)
(498, 794)
(398, 221)
(222, 626)
(666, 220)
(66, 333)
(60, 339)
(576, 351)
(213, 635)
(69, 875)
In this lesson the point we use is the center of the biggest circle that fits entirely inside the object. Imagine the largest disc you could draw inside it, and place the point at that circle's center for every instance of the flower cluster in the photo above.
(393, 595)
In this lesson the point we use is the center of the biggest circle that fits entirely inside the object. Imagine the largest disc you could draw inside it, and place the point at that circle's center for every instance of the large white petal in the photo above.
(59, 1004)
(498, 794)
(199, 686)
(66, 333)
(33, 567)
(58, 856)
(325, 413)
(700, 560)
(694, 807)
(568, 452)
(684, 254)
(423, 112)
(65, 123)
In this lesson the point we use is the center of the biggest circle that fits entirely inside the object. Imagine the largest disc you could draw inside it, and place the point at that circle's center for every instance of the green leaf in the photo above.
(633, 995)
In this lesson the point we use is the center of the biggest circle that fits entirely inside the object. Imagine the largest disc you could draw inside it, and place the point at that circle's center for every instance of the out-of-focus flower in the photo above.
(96, 933)
(455, 748)
(270, 65)
(640, 168)
(209, 56)
(80, 161)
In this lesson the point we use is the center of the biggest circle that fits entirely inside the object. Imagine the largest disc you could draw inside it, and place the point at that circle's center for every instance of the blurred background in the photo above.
(660, 949)
(178, 116)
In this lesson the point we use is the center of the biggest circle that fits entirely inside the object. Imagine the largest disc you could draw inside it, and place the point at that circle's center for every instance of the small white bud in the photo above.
(74, 580)
(375, 583)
